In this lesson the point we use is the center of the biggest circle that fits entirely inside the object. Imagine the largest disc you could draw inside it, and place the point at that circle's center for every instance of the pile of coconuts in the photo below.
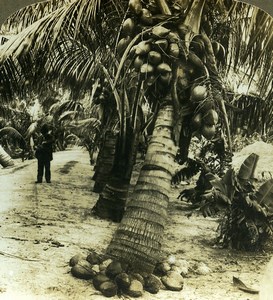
(153, 47)
(112, 278)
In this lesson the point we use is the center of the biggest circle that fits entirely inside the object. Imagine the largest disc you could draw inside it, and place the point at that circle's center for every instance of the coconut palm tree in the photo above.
(197, 47)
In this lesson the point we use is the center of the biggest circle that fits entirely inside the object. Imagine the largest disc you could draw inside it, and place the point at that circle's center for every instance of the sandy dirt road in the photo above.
(43, 226)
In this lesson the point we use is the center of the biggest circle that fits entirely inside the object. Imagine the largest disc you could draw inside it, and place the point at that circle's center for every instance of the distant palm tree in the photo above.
(212, 41)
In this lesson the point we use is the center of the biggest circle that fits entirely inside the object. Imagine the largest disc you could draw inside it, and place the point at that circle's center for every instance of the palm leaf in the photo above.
(67, 115)
(32, 129)
(247, 169)
(264, 195)
(27, 15)
(13, 134)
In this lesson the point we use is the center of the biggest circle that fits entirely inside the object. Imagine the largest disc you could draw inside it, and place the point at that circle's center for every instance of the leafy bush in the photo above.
(248, 222)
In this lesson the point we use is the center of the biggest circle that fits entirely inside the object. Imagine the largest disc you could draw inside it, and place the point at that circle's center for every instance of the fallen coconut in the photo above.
(173, 281)
(94, 258)
(76, 258)
(105, 264)
(138, 277)
(123, 281)
(135, 289)
(152, 284)
(162, 268)
(113, 269)
(181, 266)
(202, 269)
(108, 289)
(83, 270)
(96, 268)
(99, 279)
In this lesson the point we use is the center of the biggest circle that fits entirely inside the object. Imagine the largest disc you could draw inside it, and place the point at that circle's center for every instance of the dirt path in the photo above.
(43, 226)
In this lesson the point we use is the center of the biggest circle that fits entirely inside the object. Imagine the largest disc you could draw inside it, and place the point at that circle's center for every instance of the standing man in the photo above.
(44, 155)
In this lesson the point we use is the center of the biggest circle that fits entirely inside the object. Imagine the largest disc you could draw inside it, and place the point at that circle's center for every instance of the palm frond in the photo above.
(27, 15)
(249, 45)
(12, 133)
(187, 172)
(67, 115)
(32, 129)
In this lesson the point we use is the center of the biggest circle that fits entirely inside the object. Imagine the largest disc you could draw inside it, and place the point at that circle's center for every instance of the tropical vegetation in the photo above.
(187, 60)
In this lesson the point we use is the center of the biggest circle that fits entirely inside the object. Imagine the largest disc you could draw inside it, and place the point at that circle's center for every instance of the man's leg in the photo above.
(47, 171)
(40, 172)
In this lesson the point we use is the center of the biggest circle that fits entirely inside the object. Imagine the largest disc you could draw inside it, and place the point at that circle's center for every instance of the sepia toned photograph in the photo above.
(136, 149)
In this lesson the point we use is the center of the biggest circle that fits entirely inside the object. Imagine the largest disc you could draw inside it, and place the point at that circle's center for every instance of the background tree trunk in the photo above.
(112, 200)
(105, 161)
(137, 240)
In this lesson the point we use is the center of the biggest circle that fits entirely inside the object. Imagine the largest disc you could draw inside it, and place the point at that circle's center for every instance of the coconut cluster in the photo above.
(112, 278)
(154, 53)
(206, 117)
(159, 49)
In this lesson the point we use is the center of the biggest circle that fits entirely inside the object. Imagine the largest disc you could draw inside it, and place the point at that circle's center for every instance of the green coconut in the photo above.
(128, 27)
(208, 131)
(163, 68)
(196, 121)
(199, 93)
(146, 69)
(173, 50)
(143, 48)
(154, 57)
(211, 117)
(138, 62)
(146, 17)
(123, 44)
(166, 78)
(160, 31)
(135, 6)
(161, 45)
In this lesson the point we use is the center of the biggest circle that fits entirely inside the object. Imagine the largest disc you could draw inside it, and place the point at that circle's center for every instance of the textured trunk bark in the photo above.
(5, 159)
(112, 200)
(138, 238)
(105, 162)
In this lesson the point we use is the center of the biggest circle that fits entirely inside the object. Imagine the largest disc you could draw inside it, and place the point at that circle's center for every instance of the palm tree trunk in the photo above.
(5, 159)
(137, 240)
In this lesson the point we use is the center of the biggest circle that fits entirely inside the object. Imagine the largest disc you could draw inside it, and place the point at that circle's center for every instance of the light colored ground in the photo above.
(43, 226)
